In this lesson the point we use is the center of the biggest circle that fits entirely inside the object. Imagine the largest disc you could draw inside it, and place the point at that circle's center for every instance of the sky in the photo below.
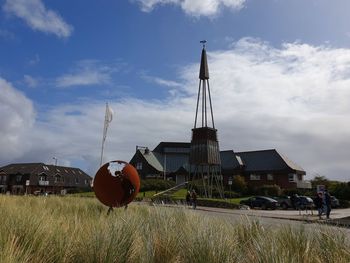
(279, 78)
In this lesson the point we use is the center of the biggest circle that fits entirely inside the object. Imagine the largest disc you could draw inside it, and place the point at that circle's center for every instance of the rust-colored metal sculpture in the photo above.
(116, 184)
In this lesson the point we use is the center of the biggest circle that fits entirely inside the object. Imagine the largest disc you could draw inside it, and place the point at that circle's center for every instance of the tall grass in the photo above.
(71, 229)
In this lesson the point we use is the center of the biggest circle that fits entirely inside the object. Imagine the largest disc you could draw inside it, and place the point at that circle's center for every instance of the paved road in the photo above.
(277, 218)
(273, 218)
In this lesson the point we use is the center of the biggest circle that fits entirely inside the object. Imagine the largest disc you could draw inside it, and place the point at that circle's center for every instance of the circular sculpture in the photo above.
(116, 183)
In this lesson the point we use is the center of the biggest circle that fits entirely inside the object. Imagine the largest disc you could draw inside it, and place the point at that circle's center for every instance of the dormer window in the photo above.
(254, 177)
(57, 178)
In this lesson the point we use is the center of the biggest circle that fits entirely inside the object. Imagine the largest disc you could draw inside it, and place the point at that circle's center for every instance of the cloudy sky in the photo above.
(279, 74)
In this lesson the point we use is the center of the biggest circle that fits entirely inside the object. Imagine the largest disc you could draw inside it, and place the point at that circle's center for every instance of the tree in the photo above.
(320, 180)
(239, 184)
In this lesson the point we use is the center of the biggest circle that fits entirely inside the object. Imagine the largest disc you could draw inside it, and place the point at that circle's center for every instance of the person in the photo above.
(319, 204)
(327, 200)
(188, 198)
(194, 199)
(294, 201)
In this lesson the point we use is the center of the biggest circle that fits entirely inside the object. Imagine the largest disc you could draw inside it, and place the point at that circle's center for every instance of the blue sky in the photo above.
(280, 77)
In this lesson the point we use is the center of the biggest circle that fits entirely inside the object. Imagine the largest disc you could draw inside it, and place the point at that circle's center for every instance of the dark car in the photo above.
(334, 202)
(260, 201)
(303, 202)
(284, 202)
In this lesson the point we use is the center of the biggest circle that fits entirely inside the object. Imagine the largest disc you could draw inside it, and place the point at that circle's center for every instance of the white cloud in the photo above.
(194, 7)
(38, 17)
(30, 81)
(16, 117)
(87, 72)
(161, 81)
(293, 98)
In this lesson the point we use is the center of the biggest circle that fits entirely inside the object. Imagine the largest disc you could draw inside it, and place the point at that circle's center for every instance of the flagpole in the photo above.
(104, 135)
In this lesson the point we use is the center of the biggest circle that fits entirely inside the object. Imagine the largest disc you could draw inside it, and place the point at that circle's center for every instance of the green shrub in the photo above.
(270, 190)
(341, 191)
(239, 184)
(156, 185)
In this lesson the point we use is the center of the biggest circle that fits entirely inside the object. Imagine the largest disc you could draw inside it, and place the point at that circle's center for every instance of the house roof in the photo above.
(39, 168)
(174, 155)
(151, 159)
(267, 160)
(229, 160)
(173, 147)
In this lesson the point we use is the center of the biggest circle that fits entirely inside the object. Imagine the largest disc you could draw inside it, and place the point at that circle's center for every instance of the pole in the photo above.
(165, 166)
(104, 135)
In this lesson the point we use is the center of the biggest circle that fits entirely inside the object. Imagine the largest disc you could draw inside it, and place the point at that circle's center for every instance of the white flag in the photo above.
(109, 114)
(108, 118)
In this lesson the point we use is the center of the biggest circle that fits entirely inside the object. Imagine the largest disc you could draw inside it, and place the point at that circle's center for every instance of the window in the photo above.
(270, 177)
(291, 177)
(57, 178)
(255, 177)
(139, 166)
(86, 181)
(18, 178)
(77, 180)
(4, 177)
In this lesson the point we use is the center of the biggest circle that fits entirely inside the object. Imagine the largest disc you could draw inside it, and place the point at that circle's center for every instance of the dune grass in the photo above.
(72, 229)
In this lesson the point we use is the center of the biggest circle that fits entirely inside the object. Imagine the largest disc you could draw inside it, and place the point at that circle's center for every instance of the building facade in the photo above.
(36, 178)
(170, 160)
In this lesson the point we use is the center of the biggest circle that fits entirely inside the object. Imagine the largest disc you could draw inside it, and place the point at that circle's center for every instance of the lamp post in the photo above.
(55, 160)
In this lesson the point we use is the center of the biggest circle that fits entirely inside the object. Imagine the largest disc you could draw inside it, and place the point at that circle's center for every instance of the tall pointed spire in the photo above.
(204, 71)
(204, 156)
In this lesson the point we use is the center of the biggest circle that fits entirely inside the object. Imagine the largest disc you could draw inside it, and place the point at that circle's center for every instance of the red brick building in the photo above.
(30, 178)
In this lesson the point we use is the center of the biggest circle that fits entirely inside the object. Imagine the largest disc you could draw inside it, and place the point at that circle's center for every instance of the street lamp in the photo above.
(55, 160)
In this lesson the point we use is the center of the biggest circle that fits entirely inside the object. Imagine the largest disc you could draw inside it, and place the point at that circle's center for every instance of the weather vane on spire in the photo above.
(203, 42)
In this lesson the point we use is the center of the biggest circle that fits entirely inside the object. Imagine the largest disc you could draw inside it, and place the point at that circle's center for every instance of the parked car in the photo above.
(303, 202)
(334, 202)
(260, 201)
(284, 201)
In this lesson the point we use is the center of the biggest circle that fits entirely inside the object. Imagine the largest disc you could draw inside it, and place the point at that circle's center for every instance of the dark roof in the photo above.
(176, 155)
(39, 168)
(173, 147)
(229, 160)
(267, 160)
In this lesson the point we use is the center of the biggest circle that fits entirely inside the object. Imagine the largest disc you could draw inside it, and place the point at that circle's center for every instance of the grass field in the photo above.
(74, 229)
